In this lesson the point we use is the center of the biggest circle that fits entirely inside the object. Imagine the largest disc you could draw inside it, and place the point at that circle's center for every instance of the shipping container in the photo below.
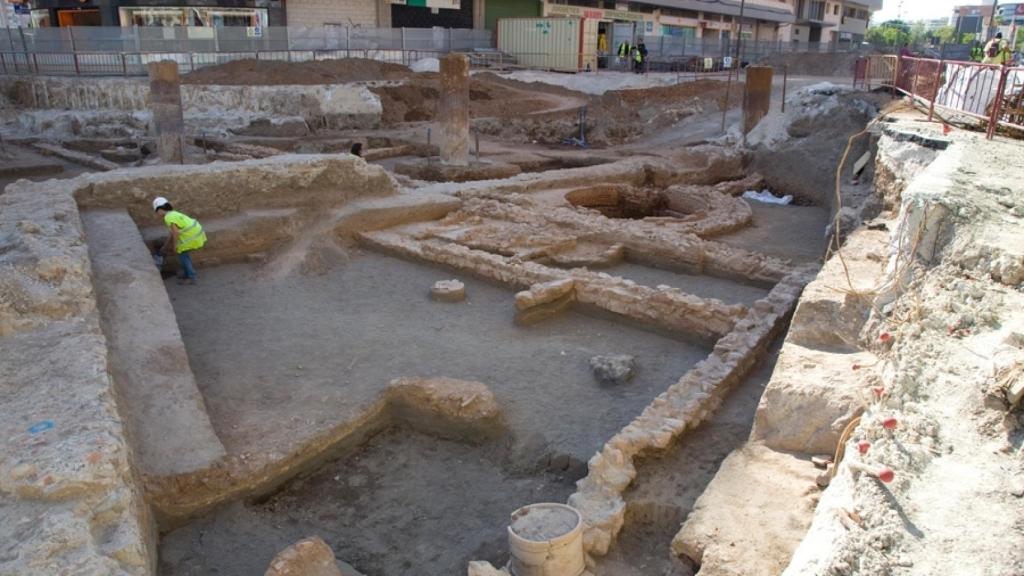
(563, 44)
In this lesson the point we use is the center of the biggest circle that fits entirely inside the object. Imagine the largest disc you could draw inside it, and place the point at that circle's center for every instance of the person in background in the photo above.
(357, 149)
(977, 52)
(186, 235)
(906, 52)
(997, 51)
(624, 52)
(642, 48)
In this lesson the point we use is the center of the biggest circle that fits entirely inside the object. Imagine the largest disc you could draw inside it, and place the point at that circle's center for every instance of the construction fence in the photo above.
(104, 51)
(95, 50)
(993, 95)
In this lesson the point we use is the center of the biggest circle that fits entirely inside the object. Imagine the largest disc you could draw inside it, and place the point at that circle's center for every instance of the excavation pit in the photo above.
(268, 381)
(617, 201)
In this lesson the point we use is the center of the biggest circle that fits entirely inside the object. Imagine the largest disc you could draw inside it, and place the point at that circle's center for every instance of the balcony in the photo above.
(811, 13)
(853, 25)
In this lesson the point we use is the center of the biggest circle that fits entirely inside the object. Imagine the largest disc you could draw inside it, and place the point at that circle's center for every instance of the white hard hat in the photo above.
(158, 202)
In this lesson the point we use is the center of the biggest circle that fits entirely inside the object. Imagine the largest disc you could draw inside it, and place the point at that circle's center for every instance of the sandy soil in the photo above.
(396, 507)
(793, 232)
(269, 72)
(339, 338)
(668, 484)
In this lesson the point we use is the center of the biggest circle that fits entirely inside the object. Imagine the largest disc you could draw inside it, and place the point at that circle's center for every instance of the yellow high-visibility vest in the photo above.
(190, 232)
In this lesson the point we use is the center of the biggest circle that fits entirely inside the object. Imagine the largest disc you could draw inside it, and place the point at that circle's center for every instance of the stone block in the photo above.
(308, 557)
(448, 291)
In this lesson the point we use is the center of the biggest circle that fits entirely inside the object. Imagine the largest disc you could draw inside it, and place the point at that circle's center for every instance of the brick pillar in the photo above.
(453, 110)
(165, 102)
(758, 96)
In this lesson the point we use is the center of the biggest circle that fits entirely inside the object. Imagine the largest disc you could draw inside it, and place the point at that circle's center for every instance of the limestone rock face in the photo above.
(448, 291)
(614, 369)
(308, 557)
(69, 503)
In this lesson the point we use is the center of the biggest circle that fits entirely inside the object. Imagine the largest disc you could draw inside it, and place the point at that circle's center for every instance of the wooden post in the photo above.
(757, 97)
(165, 101)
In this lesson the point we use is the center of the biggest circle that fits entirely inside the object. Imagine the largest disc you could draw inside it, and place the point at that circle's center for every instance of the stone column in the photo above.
(758, 96)
(165, 102)
(453, 110)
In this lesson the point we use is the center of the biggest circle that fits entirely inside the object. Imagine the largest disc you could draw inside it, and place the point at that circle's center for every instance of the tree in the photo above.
(944, 34)
(890, 32)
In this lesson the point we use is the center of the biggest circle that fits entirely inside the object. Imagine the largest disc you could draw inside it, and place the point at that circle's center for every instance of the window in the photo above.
(835, 10)
(194, 16)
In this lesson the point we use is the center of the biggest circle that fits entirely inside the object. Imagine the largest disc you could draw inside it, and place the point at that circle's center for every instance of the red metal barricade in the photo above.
(991, 94)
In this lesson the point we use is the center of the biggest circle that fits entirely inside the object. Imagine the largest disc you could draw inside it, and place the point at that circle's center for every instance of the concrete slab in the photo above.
(167, 416)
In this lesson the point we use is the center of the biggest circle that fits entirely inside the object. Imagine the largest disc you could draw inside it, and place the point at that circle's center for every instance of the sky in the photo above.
(920, 9)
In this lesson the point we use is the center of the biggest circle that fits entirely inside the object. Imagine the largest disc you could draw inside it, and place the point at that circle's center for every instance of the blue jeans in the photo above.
(187, 269)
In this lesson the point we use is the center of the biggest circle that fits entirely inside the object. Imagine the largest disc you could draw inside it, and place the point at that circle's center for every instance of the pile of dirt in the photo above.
(274, 73)
(615, 117)
(489, 97)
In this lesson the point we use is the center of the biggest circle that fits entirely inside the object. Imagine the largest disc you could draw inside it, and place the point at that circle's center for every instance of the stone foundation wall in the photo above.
(342, 105)
(683, 406)
(668, 308)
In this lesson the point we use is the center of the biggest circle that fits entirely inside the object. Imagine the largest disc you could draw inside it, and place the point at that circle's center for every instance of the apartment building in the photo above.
(973, 19)
(830, 22)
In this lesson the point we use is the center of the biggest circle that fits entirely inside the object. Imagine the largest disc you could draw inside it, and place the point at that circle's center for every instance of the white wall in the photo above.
(320, 12)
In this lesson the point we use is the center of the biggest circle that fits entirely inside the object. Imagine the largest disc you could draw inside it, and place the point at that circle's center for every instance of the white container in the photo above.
(562, 44)
(546, 540)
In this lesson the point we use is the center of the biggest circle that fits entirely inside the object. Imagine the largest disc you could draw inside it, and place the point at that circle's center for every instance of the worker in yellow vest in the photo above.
(997, 51)
(186, 235)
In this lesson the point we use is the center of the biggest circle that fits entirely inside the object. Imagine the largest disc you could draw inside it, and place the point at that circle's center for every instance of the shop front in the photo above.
(201, 13)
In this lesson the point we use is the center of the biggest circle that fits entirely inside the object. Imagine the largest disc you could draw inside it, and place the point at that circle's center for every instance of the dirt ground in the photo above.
(615, 117)
(393, 508)
(793, 232)
(272, 73)
(294, 356)
(490, 96)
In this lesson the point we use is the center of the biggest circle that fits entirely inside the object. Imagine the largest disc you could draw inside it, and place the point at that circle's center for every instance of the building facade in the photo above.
(251, 13)
(976, 20)
(763, 20)
(832, 22)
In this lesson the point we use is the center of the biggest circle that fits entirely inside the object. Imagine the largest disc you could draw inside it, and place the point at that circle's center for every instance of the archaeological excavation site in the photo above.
(453, 320)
